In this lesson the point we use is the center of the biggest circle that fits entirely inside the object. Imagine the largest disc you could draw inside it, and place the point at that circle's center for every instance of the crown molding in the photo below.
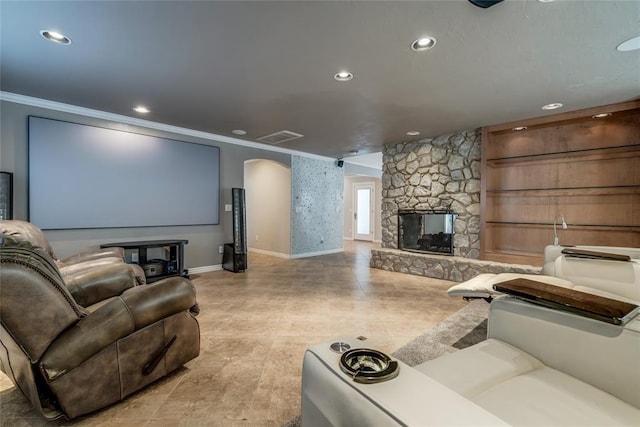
(98, 114)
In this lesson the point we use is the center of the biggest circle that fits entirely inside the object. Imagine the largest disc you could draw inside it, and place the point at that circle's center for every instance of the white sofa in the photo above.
(613, 279)
(538, 367)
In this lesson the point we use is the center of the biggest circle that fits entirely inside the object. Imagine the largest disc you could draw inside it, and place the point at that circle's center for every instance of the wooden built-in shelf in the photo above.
(565, 155)
(573, 225)
(548, 191)
(569, 166)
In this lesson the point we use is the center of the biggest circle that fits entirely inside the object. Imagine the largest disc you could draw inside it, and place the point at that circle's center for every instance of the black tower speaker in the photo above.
(234, 257)
(6, 195)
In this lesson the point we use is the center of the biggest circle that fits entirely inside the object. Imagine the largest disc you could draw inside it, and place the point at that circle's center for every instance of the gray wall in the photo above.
(202, 249)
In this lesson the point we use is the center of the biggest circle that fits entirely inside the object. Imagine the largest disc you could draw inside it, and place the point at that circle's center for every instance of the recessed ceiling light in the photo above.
(141, 109)
(552, 106)
(545, 1)
(343, 76)
(601, 115)
(519, 128)
(354, 152)
(424, 43)
(413, 133)
(631, 44)
(239, 132)
(55, 37)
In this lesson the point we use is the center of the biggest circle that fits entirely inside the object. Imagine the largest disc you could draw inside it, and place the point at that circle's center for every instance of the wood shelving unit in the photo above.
(570, 165)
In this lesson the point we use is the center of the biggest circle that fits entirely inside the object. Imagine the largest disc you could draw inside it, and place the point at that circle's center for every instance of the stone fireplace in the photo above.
(438, 175)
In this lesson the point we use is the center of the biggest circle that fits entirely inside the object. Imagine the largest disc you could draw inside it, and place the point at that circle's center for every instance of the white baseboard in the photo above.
(205, 269)
(270, 253)
(294, 256)
(377, 241)
(311, 254)
(347, 238)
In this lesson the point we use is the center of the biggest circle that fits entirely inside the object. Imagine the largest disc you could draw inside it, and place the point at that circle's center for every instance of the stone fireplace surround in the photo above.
(433, 174)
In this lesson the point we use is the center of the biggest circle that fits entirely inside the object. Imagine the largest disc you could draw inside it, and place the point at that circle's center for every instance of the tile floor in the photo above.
(255, 327)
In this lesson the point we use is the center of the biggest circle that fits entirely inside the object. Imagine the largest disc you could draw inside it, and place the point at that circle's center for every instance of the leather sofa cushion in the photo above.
(600, 354)
(476, 287)
(136, 308)
(548, 397)
(94, 285)
(27, 232)
(72, 269)
(35, 304)
(481, 286)
(607, 278)
(520, 390)
(480, 367)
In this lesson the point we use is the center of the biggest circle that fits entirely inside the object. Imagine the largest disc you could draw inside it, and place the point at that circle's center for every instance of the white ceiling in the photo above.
(268, 66)
(372, 160)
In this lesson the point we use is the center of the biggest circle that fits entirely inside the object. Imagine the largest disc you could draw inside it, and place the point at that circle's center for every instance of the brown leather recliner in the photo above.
(32, 233)
(75, 264)
(70, 360)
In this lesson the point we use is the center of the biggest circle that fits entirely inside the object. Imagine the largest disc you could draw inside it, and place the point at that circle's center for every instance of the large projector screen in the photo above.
(89, 177)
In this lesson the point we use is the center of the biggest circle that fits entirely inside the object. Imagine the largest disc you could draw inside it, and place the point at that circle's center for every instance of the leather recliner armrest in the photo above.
(66, 270)
(92, 255)
(158, 300)
(99, 283)
(134, 309)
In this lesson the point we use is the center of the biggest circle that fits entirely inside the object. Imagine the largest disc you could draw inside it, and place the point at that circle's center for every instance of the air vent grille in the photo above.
(280, 137)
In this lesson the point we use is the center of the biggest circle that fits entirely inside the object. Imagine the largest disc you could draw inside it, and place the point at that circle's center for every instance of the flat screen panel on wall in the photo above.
(89, 177)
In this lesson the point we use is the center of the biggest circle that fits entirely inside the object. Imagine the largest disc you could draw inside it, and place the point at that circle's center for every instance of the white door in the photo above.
(363, 216)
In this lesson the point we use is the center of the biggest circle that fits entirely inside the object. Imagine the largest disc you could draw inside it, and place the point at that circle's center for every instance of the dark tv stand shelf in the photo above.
(158, 258)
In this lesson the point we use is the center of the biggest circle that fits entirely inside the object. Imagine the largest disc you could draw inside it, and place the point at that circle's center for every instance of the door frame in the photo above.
(371, 185)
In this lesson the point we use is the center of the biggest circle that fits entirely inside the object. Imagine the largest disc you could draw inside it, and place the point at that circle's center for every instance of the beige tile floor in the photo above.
(255, 327)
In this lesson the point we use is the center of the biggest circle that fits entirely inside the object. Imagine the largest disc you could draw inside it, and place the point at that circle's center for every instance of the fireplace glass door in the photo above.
(426, 231)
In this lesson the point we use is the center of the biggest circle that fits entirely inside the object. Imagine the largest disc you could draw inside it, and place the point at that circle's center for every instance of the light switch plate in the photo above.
(227, 208)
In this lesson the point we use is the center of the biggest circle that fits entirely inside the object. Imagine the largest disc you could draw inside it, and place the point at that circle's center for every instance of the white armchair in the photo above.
(539, 366)
(613, 279)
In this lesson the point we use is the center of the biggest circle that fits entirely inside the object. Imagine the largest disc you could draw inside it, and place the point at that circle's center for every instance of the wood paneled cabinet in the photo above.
(573, 166)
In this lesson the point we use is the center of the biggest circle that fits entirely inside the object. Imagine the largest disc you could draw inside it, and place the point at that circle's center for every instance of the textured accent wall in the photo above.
(435, 173)
(317, 215)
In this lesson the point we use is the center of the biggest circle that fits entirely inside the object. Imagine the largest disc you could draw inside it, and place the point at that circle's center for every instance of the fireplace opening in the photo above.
(428, 231)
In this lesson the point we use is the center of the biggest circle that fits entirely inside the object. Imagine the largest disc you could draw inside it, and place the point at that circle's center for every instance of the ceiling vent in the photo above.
(280, 137)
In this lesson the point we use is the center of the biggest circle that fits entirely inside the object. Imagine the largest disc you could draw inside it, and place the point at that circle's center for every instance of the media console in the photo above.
(158, 258)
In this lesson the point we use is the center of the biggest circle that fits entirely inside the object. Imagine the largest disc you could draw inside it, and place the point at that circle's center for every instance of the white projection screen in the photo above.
(89, 177)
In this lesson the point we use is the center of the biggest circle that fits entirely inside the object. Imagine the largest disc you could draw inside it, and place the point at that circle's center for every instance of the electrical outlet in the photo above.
(220, 249)
(257, 238)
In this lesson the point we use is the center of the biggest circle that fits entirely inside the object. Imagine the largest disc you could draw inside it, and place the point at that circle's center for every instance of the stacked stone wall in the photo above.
(435, 173)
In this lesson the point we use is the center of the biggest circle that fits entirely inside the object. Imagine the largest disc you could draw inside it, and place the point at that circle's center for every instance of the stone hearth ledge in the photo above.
(454, 268)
